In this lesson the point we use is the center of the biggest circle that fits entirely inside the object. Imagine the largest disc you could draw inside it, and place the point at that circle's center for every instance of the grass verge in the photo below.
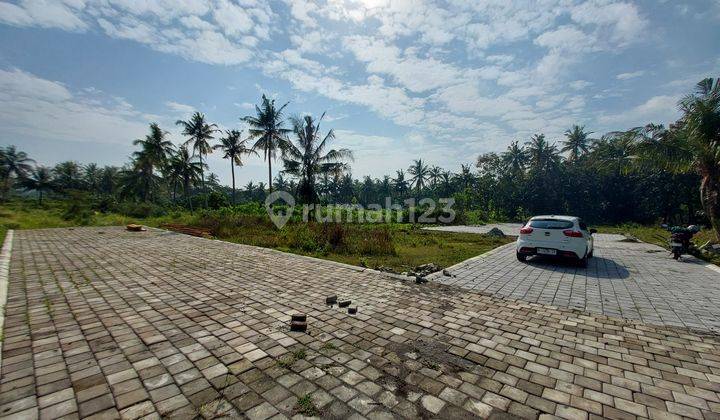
(395, 247)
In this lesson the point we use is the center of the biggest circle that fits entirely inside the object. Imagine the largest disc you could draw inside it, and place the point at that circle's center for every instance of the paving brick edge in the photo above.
(4, 281)
(439, 274)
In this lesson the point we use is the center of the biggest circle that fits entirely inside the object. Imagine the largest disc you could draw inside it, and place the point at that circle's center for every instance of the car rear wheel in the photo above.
(521, 257)
(583, 262)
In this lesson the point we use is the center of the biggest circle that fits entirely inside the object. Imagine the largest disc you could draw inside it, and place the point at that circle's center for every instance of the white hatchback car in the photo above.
(556, 236)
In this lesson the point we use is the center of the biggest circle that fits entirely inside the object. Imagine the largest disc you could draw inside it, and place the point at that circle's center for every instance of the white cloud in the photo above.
(180, 109)
(416, 74)
(43, 13)
(173, 26)
(33, 107)
(580, 84)
(568, 39)
(658, 109)
(631, 75)
(623, 19)
(233, 19)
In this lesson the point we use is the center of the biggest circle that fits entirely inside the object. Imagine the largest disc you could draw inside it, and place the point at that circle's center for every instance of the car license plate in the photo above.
(673, 244)
(546, 251)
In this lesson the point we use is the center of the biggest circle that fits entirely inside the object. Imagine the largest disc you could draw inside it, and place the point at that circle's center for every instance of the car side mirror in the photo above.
(593, 231)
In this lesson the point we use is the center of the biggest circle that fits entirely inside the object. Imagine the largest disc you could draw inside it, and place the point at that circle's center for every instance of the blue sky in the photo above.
(399, 80)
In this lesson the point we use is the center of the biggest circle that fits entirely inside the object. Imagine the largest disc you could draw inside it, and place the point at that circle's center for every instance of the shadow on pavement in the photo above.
(598, 267)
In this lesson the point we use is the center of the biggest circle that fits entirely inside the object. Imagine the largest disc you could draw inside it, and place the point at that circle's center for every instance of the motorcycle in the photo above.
(680, 239)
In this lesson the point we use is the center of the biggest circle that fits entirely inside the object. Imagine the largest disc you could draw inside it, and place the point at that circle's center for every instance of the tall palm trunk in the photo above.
(710, 198)
(269, 172)
(40, 197)
(186, 187)
(232, 171)
(202, 178)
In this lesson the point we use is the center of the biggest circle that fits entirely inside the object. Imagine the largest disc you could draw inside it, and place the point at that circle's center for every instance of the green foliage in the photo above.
(217, 199)
(298, 354)
(306, 406)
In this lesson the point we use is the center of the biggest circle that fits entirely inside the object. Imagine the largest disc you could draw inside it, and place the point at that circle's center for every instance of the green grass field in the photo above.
(399, 247)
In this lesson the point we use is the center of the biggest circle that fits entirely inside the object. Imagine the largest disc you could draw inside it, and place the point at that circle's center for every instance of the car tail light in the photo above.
(573, 233)
(526, 230)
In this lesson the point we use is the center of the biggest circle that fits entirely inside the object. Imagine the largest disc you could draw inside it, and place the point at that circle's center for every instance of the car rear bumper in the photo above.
(559, 253)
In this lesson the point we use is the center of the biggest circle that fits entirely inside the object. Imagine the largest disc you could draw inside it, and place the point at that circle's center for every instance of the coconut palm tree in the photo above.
(692, 145)
(155, 148)
(420, 174)
(615, 152)
(108, 179)
(400, 184)
(434, 175)
(40, 180)
(515, 158)
(187, 169)
(542, 155)
(199, 132)
(280, 183)
(68, 175)
(138, 179)
(266, 128)
(14, 164)
(91, 177)
(233, 148)
(309, 156)
(465, 178)
(576, 142)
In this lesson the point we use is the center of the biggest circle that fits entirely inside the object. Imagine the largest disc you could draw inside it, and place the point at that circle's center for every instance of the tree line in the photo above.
(645, 174)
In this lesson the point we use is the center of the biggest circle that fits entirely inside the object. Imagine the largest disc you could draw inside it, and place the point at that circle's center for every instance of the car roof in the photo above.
(555, 217)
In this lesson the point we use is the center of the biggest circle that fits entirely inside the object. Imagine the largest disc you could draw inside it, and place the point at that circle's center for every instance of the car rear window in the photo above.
(551, 224)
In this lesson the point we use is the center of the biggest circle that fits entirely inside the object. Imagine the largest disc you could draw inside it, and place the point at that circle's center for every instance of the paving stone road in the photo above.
(625, 279)
(104, 323)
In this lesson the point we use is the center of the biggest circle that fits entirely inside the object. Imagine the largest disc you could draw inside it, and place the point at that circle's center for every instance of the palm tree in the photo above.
(401, 185)
(233, 148)
(309, 157)
(14, 164)
(280, 182)
(693, 145)
(576, 142)
(542, 155)
(187, 169)
(435, 175)
(155, 148)
(465, 178)
(250, 190)
(108, 179)
(266, 128)
(68, 175)
(515, 158)
(420, 173)
(446, 179)
(40, 180)
(615, 152)
(199, 132)
(213, 180)
(91, 177)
